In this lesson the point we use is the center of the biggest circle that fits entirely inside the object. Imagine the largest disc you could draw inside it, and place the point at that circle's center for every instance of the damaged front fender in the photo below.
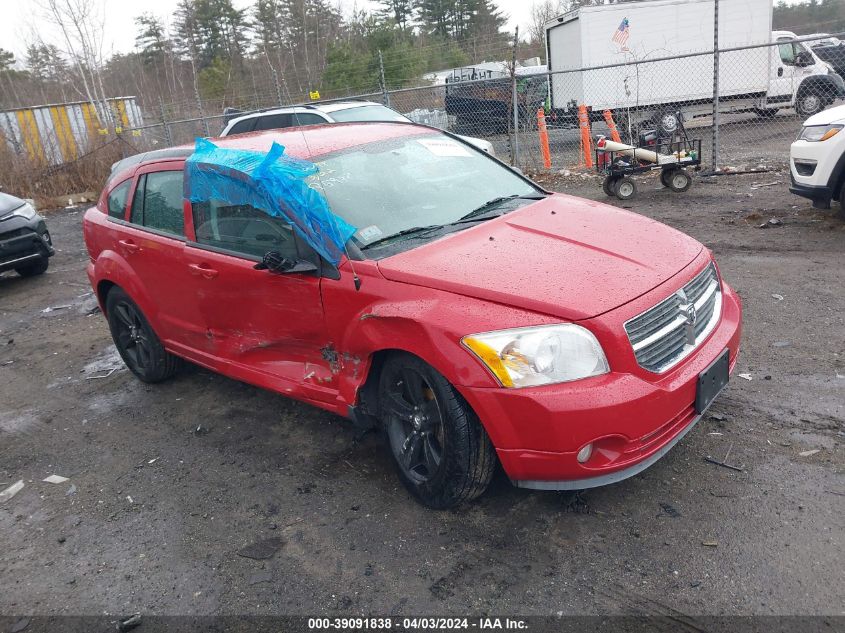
(385, 316)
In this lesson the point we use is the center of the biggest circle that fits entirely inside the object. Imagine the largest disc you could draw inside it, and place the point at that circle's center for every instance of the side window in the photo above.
(242, 126)
(306, 118)
(272, 122)
(787, 52)
(158, 202)
(242, 229)
(117, 200)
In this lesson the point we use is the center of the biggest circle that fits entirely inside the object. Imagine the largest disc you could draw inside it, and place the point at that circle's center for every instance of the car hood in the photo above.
(563, 256)
(826, 117)
(9, 203)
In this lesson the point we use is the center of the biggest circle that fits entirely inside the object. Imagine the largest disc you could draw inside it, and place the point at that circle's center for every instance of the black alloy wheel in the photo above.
(440, 449)
(414, 425)
(137, 343)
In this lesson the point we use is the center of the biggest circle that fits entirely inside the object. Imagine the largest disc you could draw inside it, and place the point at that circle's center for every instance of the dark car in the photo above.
(833, 54)
(25, 243)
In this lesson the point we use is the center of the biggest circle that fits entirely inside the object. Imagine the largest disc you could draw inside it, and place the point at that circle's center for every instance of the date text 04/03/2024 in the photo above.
(414, 624)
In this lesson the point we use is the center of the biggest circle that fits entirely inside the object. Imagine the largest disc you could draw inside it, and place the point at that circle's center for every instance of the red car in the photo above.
(473, 316)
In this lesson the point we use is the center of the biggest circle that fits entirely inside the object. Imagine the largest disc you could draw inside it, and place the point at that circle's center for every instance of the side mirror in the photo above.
(276, 263)
(804, 59)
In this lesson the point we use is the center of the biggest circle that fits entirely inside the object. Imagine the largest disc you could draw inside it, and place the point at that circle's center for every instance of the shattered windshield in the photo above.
(396, 186)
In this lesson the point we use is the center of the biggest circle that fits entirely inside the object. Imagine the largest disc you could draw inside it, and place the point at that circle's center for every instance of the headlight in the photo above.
(540, 355)
(819, 132)
(25, 211)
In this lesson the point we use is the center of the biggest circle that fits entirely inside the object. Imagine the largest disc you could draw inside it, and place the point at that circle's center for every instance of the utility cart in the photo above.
(673, 155)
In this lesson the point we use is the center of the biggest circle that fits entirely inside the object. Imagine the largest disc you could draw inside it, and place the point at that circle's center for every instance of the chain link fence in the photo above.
(762, 95)
(745, 118)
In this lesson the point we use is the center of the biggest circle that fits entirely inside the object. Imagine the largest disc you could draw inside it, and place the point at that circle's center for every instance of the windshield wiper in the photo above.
(469, 217)
(410, 231)
(496, 201)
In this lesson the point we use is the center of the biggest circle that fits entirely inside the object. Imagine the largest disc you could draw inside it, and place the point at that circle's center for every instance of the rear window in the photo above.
(117, 200)
(272, 122)
(367, 113)
(242, 126)
(158, 202)
(306, 118)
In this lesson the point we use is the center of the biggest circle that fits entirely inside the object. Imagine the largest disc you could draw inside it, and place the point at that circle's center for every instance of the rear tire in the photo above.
(609, 186)
(441, 452)
(38, 268)
(138, 345)
(766, 113)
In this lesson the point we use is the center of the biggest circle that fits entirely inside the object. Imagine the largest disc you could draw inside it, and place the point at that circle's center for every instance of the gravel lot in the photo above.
(168, 483)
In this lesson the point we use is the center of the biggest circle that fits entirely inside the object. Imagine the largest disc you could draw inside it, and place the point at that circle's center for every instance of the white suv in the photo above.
(319, 113)
(817, 159)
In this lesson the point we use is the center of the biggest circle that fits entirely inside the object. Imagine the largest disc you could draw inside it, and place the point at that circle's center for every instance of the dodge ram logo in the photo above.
(691, 315)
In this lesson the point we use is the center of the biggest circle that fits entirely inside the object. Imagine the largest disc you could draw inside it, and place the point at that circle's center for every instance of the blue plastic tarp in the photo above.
(272, 182)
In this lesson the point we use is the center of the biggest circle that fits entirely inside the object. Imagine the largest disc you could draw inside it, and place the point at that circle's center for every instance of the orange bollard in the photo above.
(586, 142)
(544, 139)
(611, 125)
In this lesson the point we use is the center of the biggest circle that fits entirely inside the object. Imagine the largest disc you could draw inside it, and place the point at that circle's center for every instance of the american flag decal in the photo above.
(620, 35)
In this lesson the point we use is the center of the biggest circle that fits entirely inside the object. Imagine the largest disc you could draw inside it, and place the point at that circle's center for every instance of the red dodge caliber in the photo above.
(474, 317)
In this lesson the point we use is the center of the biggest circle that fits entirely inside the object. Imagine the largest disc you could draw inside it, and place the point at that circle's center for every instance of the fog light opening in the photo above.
(584, 454)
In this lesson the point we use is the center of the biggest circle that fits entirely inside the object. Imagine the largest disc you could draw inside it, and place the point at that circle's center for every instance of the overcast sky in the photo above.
(21, 24)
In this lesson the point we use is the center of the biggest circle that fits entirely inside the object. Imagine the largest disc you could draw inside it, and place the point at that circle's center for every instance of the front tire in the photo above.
(625, 188)
(137, 343)
(678, 180)
(809, 103)
(38, 268)
(441, 452)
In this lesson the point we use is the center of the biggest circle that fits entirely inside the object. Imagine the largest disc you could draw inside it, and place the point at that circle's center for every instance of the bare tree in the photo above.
(543, 11)
(81, 25)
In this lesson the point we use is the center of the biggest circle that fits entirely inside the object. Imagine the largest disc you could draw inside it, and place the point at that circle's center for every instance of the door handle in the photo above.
(203, 269)
(780, 71)
(129, 246)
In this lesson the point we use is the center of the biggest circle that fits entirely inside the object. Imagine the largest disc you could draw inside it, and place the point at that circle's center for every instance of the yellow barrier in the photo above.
(59, 133)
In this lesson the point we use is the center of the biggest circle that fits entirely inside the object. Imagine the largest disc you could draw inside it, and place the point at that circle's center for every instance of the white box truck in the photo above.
(617, 41)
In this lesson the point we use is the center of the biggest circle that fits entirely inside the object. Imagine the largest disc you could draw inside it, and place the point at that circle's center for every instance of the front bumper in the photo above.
(819, 194)
(631, 417)
(23, 242)
(813, 169)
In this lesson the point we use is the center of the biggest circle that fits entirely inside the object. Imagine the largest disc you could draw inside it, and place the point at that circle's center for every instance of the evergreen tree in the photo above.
(436, 17)
(7, 60)
(211, 29)
(486, 21)
(45, 62)
(401, 12)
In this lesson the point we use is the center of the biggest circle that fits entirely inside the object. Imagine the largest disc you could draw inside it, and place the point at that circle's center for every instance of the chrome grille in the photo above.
(664, 335)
